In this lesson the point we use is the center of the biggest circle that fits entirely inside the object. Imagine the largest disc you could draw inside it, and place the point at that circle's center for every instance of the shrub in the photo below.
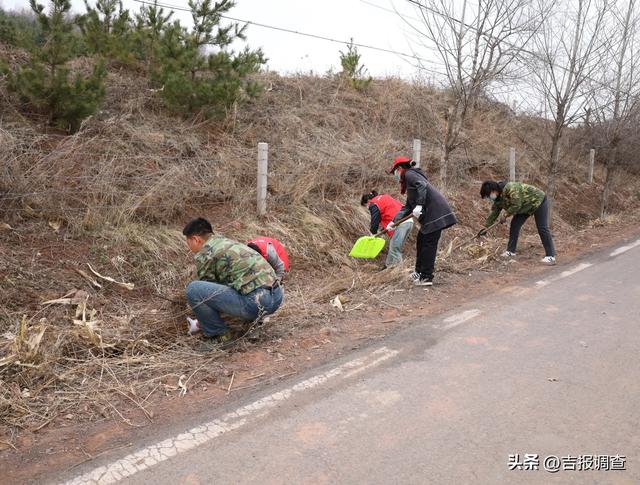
(20, 29)
(107, 30)
(199, 82)
(352, 70)
(47, 83)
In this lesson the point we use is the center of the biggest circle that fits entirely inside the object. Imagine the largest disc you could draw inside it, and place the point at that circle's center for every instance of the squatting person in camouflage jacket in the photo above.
(520, 201)
(232, 279)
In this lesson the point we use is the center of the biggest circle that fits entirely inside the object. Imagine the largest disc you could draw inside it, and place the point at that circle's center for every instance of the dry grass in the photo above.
(116, 194)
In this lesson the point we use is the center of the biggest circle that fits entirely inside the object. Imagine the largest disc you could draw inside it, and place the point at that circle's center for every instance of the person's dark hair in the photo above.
(367, 197)
(197, 227)
(488, 187)
(254, 247)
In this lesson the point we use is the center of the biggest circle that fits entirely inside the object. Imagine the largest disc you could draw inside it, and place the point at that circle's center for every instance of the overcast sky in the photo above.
(371, 22)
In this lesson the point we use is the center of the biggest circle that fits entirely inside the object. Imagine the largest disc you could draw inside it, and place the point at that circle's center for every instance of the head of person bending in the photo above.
(366, 198)
(197, 232)
(490, 190)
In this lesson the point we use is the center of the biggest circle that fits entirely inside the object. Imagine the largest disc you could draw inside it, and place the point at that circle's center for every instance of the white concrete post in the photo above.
(263, 168)
(512, 165)
(417, 145)
(592, 159)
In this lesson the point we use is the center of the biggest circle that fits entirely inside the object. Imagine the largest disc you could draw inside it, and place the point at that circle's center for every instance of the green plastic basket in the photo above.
(367, 247)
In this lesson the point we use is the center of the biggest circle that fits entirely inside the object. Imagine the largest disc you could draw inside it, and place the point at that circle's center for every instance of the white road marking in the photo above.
(457, 319)
(624, 249)
(584, 266)
(159, 452)
(564, 274)
(385, 356)
(574, 270)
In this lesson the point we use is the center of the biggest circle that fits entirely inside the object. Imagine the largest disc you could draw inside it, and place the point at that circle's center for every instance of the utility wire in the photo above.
(395, 12)
(522, 49)
(304, 34)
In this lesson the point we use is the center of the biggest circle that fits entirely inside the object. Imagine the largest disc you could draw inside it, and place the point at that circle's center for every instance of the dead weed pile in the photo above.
(110, 200)
(84, 369)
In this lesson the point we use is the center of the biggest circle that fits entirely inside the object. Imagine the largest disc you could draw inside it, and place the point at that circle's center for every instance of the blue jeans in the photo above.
(394, 256)
(208, 300)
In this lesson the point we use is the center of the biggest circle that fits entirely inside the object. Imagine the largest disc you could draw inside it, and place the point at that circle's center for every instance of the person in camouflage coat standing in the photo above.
(232, 279)
(520, 201)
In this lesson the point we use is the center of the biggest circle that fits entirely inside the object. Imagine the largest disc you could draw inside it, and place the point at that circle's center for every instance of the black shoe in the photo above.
(424, 281)
(217, 342)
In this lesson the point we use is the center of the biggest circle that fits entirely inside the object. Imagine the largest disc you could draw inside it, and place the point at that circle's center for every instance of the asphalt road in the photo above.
(547, 369)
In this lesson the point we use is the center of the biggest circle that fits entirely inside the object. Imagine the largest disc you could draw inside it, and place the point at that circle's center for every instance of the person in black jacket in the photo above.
(432, 211)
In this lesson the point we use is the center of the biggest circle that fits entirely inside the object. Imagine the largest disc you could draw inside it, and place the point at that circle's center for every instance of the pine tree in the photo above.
(352, 69)
(46, 83)
(19, 29)
(150, 25)
(8, 33)
(107, 30)
(197, 82)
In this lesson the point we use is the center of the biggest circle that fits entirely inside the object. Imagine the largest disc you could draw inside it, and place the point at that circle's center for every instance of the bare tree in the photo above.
(477, 42)
(567, 51)
(616, 102)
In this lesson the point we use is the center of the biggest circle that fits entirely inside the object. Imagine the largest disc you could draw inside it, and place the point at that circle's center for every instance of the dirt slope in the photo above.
(115, 196)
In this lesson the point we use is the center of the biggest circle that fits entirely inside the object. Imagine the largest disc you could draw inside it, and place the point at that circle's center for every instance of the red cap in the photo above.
(399, 161)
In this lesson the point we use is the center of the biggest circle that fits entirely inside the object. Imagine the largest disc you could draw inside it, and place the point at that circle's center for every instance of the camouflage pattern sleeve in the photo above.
(521, 198)
(206, 266)
(493, 215)
(512, 195)
(233, 264)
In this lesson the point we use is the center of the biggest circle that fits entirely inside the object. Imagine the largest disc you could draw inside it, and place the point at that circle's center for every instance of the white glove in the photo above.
(417, 211)
(390, 226)
(194, 325)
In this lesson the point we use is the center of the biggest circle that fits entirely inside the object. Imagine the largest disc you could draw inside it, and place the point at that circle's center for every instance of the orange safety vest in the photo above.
(263, 242)
(388, 207)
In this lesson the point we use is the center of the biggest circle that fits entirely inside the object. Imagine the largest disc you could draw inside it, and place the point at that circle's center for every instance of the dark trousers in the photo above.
(426, 250)
(541, 216)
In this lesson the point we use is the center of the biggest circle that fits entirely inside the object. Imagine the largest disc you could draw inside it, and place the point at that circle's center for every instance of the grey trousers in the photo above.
(541, 216)
(394, 256)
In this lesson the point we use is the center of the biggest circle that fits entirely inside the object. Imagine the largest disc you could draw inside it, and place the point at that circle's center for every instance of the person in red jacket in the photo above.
(383, 209)
(274, 252)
